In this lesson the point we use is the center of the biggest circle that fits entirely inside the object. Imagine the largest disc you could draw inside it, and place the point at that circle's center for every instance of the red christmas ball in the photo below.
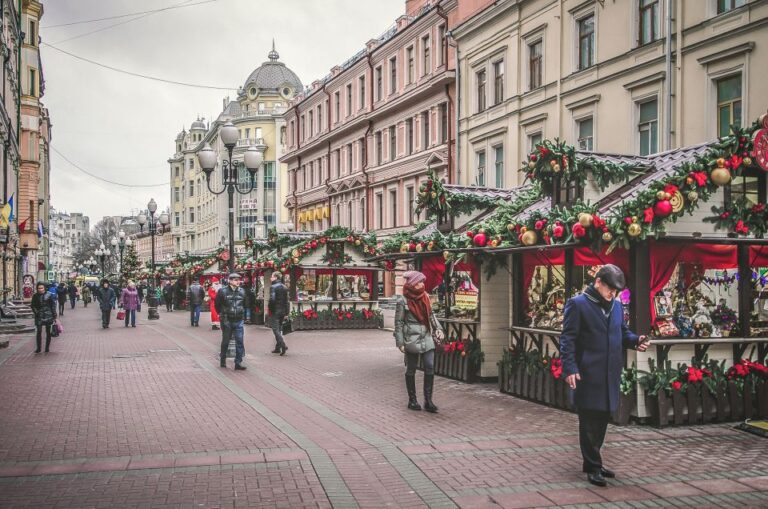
(663, 208)
(480, 240)
(313, 244)
(558, 231)
(470, 234)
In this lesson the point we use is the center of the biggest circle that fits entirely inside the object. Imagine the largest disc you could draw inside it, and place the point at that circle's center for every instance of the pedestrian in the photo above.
(73, 294)
(86, 294)
(416, 330)
(107, 298)
(62, 293)
(140, 290)
(129, 298)
(230, 304)
(44, 308)
(592, 351)
(278, 309)
(195, 295)
(250, 301)
(213, 290)
(168, 296)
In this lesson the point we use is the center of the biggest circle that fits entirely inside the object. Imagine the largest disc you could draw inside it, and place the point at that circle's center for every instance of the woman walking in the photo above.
(44, 308)
(86, 293)
(62, 294)
(416, 329)
(130, 300)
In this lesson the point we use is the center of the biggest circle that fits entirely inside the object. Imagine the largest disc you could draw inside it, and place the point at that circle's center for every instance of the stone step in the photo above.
(4, 343)
(20, 331)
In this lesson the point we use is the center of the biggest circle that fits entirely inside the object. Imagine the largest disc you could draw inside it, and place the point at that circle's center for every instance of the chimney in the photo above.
(335, 70)
(371, 44)
(316, 84)
(402, 22)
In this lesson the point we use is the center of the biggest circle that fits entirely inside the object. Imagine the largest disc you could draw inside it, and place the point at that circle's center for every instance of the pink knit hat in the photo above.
(413, 277)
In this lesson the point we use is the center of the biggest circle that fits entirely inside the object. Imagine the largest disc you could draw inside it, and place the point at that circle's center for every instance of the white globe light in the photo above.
(152, 206)
(207, 158)
(229, 134)
(253, 159)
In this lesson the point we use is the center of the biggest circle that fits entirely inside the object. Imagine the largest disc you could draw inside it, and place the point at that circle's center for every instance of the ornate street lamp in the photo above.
(121, 244)
(156, 227)
(230, 170)
(102, 253)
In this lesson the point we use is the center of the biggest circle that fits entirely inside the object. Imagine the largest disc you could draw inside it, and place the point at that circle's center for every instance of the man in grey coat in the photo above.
(278, 308)
(592, 350)
(195, 295)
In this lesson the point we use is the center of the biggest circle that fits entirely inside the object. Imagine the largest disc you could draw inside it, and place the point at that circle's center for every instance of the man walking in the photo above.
(195, 295)
(107, 299)
(230, 304)
(592, 350)
(168, 296)
(73, 293)
(278, 308)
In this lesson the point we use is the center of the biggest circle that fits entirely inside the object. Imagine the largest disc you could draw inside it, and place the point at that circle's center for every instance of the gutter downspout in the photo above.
(444, 49)
(458, 108)
(668, 61)
(367, 190)
(679, 75)
(328, 159)
(295, 172)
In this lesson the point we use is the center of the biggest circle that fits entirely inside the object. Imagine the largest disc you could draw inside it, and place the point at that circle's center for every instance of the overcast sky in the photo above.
(122, 128)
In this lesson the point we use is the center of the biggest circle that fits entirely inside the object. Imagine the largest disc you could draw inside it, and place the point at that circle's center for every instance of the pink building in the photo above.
(360, 140)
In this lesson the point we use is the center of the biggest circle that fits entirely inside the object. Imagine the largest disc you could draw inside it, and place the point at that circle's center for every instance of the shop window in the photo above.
(545, 297)
(318, 285)
(748, 188)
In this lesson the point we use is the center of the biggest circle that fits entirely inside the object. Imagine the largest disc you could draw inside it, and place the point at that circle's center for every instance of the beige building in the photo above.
(198, 216)
(630, 77)
(164, 248)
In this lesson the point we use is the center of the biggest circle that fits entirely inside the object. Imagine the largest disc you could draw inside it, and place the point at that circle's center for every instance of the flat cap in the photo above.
(234, 275)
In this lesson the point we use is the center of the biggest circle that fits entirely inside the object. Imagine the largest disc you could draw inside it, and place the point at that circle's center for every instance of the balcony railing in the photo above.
(278, 110)
(247, 142)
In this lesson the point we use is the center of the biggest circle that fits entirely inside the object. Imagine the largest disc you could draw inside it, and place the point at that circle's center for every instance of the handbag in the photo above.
(54, 331)
(287, 327)
(121, 314)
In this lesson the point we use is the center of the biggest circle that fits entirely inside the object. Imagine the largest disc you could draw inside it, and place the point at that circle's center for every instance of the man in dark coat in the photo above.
(278, 308)
(141, 288)
(195, 294)
(72, 292)
(61, 294)
(107, 301)
(168, 296)
(592, 351)
(230, 304)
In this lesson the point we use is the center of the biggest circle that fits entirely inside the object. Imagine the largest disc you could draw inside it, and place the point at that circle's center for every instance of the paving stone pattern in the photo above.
(145, 417)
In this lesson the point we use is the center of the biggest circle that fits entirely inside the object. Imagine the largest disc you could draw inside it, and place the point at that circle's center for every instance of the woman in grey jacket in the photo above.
(416, 329)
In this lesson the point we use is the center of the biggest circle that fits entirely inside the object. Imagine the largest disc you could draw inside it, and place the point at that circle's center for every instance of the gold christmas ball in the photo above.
(431, 245)
(721, 163)
(585, 219)
(634, 230)
(693, 196)
(530, 238)
(446, 255)
(689, 180)
(660, 195)
(434, 195)
(357, 242)
(523, 229)
(295, 259)
(747, 161)
(552, 162)
(667, 196)
(720, 176)
(531, 165)
(634, 219)
(607, 237)
(404, 248)
(510, 227)
(419, 248)
(556, 168)
(677, 202)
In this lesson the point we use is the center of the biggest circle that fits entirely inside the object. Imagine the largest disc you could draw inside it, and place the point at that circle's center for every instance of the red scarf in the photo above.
(418, 303)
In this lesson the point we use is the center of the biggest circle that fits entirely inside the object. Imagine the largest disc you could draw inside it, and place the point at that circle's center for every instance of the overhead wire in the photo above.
(90, 174)
(118, 16)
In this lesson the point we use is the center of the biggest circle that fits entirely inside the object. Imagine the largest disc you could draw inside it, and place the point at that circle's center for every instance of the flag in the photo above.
(23, 225)
(6, 213)
(40, 229)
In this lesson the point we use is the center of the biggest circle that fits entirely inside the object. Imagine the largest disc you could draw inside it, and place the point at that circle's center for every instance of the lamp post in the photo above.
(91, 263)
(252, 159)
(153, 224)
(102, 253)
(120, 244)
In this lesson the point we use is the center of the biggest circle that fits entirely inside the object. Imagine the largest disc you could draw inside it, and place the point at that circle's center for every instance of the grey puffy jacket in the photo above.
(409, 332)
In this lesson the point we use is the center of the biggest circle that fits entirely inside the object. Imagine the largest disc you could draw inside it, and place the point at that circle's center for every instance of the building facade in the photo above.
(10, 38)
(65, 238)
(164, 247)
(35, 134)
(199, 217)
(533, 70)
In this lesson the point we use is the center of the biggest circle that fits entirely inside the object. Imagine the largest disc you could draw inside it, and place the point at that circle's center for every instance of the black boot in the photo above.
(429, 381)
(38, 341)
(47, 343)
(410, 384)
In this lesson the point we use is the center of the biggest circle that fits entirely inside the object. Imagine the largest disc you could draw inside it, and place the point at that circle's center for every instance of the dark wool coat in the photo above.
(592, 345)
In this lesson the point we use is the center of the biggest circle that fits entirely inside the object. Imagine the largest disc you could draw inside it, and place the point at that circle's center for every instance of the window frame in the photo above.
(392, 142)
(591, 138)
(655, 8)
(378, 72)
(426, 54)
(640, 126)
(409, 65)
(498, 81)
(481, 99)
(480, 170)
(535, 64)
(393, 75)
(498, 175)
(730, 103)
(591, 36)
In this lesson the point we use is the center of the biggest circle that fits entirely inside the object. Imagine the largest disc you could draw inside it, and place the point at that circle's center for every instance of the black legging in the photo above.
(412, 360)
(61, 306)
(39, 337)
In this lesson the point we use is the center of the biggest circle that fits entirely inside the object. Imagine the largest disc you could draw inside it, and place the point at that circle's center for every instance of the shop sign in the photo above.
(3, 235)
(466, 299)
(249, 204)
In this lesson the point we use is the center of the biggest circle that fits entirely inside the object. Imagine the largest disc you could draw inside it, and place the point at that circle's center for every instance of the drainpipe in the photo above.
(444, 49)
(458, 108)
(668, 105)
(365, 173)
(328, 160)
(679, 76)
(295, 178)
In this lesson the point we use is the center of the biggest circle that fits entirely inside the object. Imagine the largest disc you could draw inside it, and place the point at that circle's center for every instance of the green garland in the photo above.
(742, 217)
(439, 201)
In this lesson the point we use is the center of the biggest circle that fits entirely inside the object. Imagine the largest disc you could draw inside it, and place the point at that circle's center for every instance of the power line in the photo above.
(181, 4)
(138, 75)
(125, 15)
(102, 178)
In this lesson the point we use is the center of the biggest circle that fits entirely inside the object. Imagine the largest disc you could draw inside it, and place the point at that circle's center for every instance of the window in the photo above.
(425, 130)
(426, 63)
(349, 99)
(498, 162)
(191, 188)
(379, 210)
(409, 136)
(748, 187)
(392, 143)
(728, 104)
(247, 133)
(480, 78)
(349, 158)
(393, 75)
(728, 5)
(319, 120)
(191, 214)
(409, 63)
(176, 219)
(498, 82)
(378, 148)
(33, 82)
(338, 163)
(311, 174)
(586, 134)
(535, 67)
(649, 21)
(350, 219)
(648, 128)
(337, 105)
(379, 89)
(303, 123)
(443, 112)
(32, 33)
(311, 116)
(360, 152)
(586, 42)
(441, 35)
(176, 196)
(262, 107)
(176, 171)
(199, 187)
(480, 174)
(361, 87)
(257, 131)
(409, 197)
(393, 207)
(533, 140)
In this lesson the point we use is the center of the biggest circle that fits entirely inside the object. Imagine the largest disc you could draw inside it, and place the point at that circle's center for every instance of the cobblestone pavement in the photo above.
(145, 417)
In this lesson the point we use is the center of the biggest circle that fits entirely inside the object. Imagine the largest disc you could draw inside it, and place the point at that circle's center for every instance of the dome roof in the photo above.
(198, 124)
(273, 75)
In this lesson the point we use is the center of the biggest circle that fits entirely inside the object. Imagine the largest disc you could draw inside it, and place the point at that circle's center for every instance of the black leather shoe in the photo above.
(597, 479)
(223, 364)
(283, 350)
(276, 350)
(240, 367)
(603, 471)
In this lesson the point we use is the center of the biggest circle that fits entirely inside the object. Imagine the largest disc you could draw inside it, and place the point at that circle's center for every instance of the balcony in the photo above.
(268, 112)
(247, 142)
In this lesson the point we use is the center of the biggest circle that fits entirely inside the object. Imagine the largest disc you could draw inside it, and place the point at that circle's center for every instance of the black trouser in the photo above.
(39, 337)
(61, 306)
(106, 314)
(168, 304)
(412, 360)
(592, 427)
